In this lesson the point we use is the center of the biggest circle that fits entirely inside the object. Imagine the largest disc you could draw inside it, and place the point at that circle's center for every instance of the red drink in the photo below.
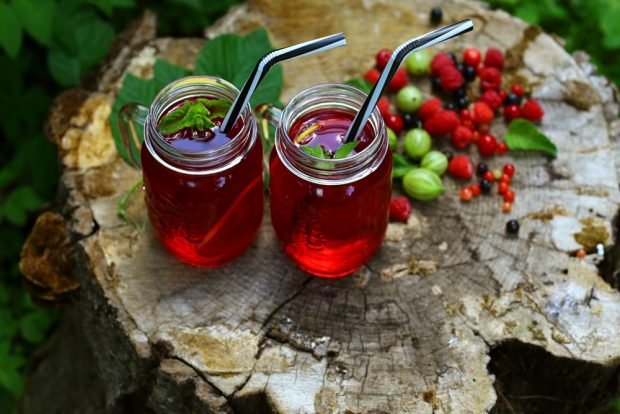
(204, 190)
(330, 216)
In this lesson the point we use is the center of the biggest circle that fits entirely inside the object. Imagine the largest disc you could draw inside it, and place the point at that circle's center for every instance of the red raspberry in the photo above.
(487, 144)
(460, 167)
(532, 110)
(490, 78)
(440, 62)
(400, 209)
(472, 57)
(492, 98)
(483, 114)
(429, 108)
(384, 106)
(399, 81)
(372, 75)
(462, 137)
(517, 89)
(450, 79)
(512, 112)
(382, 58)
(395, 122)
(441, 123)
(494, 58)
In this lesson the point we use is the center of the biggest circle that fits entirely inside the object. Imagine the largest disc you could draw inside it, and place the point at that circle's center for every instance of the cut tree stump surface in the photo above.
(451, 315)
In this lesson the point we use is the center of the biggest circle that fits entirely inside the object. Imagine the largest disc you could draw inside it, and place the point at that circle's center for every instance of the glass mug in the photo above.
(206, 205)
(330, 215)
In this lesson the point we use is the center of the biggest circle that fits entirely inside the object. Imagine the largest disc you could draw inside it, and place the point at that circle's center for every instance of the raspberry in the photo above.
(400, 209)
(487, 145)
(483, 114)
(429, 108)
(372, 75)
(532, 111)
(494, 58)
(450, 79)
(472, 57)
(491, 98)
(399, 81)
(441, 123)
(384, 106)
(512, 112)
(440, 62)
(382, 58)
(490, 78)
(460, 167)
(462, 137)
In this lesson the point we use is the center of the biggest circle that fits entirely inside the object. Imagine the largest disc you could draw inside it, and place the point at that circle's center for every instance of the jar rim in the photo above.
(190, 87)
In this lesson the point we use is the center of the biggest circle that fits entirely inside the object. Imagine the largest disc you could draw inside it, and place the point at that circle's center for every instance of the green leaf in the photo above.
(190, 115)
(233, 58)
(401, 166)
(34, 325)
(8, 325)
(361, 84)
(10, 30)
(316, 151)
(609, 25)
(26, 198)
(523, 135)
(36, 17)
(64, 68)
(345, 149)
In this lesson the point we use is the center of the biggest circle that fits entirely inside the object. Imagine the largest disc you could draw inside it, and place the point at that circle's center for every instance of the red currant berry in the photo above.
(502, 95)
(517, 89)
(475, 190)
(372, 75)
(487, 145)
(382, 58)
(465, 194)
(395, 122)
(512, 112)
(580, 254)
(505, 178)
(472, 57)
(502, 148)
(506, 207)
(509, 196)
(509, 169)
(384, 106)
(502, 187)
(488, 176)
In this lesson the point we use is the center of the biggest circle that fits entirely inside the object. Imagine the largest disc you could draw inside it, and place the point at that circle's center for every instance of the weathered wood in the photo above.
(439, 321)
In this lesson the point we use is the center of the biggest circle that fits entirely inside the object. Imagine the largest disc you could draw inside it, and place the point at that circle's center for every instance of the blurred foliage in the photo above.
(590, 25)
(69, 38)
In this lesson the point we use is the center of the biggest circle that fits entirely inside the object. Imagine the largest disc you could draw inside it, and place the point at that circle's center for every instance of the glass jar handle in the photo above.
(132, 137)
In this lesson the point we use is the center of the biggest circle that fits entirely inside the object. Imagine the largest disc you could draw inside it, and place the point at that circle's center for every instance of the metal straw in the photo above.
(266, 62)
(410, 46)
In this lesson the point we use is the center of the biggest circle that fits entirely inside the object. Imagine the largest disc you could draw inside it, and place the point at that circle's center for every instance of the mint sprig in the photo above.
(320, 152)
(198, 115)
(523, 135)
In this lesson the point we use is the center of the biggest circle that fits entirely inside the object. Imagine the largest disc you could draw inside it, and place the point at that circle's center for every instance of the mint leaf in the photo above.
(316, 151)
(10, 30)
(217, 107)
(361, 84)
(345, 149)
(190, 115)
(233, 58)
(401, 166)
(523, 135)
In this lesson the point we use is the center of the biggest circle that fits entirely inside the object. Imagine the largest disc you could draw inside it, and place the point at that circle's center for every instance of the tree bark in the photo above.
(451, 316)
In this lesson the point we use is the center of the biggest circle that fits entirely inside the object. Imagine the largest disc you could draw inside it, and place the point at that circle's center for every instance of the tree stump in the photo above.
(451, 316)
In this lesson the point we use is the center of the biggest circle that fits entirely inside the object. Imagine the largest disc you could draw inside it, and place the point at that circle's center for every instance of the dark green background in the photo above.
(48, 45)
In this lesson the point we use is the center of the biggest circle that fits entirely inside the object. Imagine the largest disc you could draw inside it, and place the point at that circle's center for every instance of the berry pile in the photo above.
(468, 95)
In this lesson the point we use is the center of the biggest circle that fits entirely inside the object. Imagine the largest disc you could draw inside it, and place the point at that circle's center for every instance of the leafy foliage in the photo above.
(589, 25)
(68, 37)
(229, 56)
